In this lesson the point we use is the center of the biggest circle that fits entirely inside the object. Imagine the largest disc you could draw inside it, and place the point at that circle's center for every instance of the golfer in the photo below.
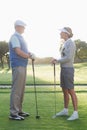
(19, 56)
(66, 60)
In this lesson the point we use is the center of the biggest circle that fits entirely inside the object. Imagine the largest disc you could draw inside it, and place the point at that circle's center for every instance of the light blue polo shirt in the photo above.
(14, 41)
(17, 41)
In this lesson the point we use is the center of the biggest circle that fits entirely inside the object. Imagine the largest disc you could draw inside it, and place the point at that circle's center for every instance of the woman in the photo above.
(67, 52)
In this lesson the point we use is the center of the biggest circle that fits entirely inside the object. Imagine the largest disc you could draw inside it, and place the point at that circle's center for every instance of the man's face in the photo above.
(20, 29)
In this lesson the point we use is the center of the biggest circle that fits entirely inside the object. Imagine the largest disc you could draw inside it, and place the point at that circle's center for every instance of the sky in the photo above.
(44, 18)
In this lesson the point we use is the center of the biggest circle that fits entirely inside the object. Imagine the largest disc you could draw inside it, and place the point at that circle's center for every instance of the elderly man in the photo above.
(19, 55)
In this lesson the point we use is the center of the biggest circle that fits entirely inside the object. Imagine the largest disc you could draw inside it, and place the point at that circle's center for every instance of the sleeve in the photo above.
(15, 42)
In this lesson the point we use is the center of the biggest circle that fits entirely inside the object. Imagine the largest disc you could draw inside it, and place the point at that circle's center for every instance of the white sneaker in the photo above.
(62, 113)
(74, 116)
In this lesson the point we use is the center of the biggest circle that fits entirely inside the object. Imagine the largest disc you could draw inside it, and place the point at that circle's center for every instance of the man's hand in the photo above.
(32, 56)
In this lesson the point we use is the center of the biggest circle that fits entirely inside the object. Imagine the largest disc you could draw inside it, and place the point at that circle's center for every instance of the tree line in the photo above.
(81, 52)
(4, 54)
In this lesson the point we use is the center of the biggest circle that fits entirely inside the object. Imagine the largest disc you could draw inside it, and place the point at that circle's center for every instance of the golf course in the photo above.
(44, 77)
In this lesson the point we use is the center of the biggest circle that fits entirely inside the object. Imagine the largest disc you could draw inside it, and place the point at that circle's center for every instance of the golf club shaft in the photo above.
(35, 87)
(55, 87)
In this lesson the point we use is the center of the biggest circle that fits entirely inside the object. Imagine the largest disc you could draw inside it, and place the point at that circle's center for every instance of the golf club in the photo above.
(37, 116)
(54, 89)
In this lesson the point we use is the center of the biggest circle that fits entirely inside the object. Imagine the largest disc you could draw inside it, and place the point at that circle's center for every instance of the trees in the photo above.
(4, 55)
(81, 50)
(81, 53)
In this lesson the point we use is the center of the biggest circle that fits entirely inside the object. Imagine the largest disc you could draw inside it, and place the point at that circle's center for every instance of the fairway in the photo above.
(45, 97)
(45, 74)
(45, 100)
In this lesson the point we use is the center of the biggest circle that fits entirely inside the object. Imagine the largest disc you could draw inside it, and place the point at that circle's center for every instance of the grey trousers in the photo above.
(17, 90)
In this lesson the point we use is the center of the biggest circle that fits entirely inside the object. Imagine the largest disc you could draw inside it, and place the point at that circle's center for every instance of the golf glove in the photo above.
(32, 56)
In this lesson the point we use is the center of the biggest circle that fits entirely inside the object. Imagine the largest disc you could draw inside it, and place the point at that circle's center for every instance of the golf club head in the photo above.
(54, 116)
(37, 117)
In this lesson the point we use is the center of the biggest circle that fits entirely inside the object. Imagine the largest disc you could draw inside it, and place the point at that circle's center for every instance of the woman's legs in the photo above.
(66, 97)
(72, 93)
(74, 99)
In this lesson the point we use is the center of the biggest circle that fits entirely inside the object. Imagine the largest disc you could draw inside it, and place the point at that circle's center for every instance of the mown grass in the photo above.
(46, 102)
(46, 109)
(44, 74)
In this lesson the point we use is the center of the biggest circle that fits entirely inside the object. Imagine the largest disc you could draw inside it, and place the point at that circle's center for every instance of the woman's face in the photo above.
(64, 35)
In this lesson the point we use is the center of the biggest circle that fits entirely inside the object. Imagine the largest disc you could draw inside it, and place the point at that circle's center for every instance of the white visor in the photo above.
(64, 30)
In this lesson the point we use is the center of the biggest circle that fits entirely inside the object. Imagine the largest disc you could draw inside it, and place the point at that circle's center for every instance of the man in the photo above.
(19, 55)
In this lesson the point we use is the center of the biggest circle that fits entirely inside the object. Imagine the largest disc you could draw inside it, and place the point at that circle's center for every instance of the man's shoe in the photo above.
(24, 114)
(74, 116)
(62, 113)
(16, 117)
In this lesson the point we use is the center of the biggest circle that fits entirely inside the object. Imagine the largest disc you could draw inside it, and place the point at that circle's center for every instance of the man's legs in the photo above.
(17, 91)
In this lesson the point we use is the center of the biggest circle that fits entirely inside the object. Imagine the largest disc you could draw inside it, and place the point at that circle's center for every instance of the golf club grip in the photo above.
(34, 75)
(33, 65)
(54, 70)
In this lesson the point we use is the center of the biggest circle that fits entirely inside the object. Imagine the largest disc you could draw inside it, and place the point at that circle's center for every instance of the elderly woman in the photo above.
(67, 52)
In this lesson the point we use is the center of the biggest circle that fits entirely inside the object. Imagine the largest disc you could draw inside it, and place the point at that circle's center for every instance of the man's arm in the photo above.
(21, 53)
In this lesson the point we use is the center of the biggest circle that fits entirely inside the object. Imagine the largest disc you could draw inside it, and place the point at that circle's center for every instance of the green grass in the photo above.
(80, 73)
(46, 103)
(44, 74)
(45, 97)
